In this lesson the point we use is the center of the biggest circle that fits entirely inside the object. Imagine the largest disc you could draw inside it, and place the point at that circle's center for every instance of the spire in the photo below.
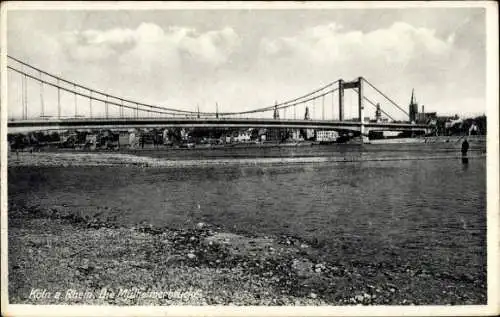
(413, 113)
(412, 101)
(216, 110)
(307, 116)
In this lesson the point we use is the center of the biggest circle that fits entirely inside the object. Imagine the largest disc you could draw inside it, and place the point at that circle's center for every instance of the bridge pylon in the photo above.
(357, 84)
(361, 107)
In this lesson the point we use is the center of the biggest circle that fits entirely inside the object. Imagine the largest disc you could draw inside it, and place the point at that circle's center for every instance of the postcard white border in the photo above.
(493, 223)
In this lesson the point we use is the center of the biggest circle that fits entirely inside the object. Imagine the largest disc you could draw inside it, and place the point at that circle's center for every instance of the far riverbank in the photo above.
(447, 142)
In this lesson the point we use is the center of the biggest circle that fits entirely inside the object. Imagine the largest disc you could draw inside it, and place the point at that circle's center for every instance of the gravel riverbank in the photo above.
(91, 262)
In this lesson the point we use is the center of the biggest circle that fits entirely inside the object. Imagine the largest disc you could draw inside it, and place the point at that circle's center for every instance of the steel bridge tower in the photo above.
(356, 85)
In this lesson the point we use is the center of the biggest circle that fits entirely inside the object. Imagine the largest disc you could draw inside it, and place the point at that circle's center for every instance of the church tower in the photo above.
(413, 111)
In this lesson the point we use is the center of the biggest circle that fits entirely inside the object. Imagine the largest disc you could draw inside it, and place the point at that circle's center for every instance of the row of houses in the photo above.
(138, 138)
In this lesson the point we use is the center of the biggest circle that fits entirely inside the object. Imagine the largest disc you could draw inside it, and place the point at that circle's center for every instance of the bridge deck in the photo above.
(127, 123)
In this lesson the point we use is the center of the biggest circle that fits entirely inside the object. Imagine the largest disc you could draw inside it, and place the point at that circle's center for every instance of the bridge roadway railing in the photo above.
(127, 123)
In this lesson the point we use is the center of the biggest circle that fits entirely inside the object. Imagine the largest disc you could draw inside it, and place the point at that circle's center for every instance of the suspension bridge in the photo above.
(76, 106)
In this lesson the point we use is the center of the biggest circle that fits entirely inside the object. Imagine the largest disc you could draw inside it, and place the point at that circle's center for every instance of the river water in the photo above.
(430, 211)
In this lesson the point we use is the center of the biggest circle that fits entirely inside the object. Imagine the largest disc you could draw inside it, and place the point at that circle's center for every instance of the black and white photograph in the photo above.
(250, 157)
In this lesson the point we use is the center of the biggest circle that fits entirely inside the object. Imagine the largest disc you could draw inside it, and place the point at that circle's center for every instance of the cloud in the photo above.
(149, 44)
(214, 47)
(329, 44)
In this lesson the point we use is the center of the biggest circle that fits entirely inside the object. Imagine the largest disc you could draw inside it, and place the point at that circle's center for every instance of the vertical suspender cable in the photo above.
(42, 105)
(90, 102)
(314, 108)
(76, 102)
(58, 100)
(22, 96)
(26, 96)
(106, 106)
(333, 105)
(323, 107)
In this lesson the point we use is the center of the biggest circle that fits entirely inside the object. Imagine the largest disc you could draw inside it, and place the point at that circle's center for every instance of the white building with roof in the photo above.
(326, 135)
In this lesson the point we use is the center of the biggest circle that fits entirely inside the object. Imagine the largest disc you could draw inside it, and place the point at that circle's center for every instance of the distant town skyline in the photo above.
(244, 59)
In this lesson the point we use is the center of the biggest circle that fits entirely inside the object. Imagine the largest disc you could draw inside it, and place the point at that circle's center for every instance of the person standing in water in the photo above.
(465, 148)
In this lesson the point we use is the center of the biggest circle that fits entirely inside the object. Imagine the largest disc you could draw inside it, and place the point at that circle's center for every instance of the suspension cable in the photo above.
(283, 105)
(385, 96)
(371, 102)
(88, 88)
(82, 94)
(289, 103)
(280, 105)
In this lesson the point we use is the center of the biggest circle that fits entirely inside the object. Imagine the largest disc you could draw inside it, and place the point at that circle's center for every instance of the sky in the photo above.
(247, 58)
